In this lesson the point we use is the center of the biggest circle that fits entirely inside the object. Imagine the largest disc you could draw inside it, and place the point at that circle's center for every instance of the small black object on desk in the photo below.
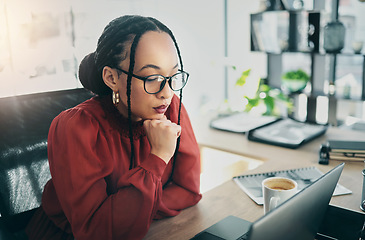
(324, 155)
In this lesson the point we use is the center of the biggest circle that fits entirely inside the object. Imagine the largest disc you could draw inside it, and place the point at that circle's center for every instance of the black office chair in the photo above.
(24, 170)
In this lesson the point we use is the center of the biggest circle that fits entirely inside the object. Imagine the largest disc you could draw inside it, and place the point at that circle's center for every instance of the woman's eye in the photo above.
(151, 78)
(155, 78)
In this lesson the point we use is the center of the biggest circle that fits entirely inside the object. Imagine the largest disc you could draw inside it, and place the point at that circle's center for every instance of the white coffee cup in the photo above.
(277, 190)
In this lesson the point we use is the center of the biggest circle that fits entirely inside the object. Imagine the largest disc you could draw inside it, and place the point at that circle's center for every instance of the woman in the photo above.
(128, 155)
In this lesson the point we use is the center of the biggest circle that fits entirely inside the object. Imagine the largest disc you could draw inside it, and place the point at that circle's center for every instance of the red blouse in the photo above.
(92, 190)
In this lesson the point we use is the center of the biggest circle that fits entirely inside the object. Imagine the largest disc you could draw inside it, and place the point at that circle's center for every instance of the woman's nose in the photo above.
(166, 92)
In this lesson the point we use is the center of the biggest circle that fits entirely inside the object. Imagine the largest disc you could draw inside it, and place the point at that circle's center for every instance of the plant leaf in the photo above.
(298, 75)
(252, 102)
(264, 88)
(270, 103)
(242, 80)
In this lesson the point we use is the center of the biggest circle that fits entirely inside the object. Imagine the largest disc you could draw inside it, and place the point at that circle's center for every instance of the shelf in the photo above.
(279, 33)
(323, 53)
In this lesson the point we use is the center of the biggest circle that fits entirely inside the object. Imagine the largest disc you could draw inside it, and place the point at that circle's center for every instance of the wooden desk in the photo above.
(228, 199)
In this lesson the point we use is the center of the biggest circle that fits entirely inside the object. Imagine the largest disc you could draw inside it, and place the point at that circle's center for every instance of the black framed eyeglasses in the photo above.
(155, 83)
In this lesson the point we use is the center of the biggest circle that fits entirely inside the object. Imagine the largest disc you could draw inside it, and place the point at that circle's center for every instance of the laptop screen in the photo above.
(297, 218)
(300, 216)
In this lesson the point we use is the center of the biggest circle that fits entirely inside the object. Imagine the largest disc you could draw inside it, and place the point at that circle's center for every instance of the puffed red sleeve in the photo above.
(78, 157)
(184, 189)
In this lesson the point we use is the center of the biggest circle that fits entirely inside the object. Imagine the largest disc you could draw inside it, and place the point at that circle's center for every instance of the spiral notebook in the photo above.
(251, 184)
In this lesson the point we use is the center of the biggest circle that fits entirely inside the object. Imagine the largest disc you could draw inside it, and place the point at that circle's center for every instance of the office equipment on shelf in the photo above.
(290, 220)
(342, 150)
(287, 132)
(240, 122)
(251, 184)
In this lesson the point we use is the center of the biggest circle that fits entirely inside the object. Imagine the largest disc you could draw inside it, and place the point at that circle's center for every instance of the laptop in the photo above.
(297, 218)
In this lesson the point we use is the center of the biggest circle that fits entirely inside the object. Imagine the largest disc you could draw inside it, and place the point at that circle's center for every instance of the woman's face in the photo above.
(155, 54)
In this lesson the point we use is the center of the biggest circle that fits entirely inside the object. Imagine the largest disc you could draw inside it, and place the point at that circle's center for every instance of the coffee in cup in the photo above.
(277, 190)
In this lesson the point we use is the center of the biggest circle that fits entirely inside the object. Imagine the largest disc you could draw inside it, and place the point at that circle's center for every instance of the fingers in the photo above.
(173, 128)
(156, 121)
(162, 135)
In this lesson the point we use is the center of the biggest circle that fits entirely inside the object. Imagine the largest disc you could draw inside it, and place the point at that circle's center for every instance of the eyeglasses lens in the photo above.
(156, 83)
(153, 83)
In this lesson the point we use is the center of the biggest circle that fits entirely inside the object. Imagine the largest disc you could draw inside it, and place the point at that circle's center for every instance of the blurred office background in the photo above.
(43, 41)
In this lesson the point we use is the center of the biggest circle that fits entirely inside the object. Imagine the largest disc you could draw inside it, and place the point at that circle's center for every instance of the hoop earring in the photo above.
(116, 98)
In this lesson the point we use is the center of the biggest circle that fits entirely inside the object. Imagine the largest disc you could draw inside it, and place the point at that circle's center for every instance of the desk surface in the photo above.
(229, 199)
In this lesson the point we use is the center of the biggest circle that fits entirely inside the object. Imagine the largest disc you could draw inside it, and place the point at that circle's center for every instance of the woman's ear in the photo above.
(110, 77)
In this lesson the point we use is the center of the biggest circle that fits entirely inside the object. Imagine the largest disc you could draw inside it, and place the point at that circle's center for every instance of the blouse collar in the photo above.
(118, 121)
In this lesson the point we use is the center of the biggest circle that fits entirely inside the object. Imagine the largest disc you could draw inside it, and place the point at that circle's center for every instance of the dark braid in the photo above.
(112, 49)
(167, 30)
(177, 143)
(129, 88)
(179, 114)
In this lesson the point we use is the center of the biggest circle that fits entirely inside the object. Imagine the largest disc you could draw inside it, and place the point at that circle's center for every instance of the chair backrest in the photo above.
(24, 170)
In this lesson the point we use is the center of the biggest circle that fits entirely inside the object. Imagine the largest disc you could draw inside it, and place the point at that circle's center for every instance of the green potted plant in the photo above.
(265, 97)
(295, 81)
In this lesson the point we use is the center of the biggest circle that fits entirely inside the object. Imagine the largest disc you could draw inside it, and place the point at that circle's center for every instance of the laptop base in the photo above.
(230, 228)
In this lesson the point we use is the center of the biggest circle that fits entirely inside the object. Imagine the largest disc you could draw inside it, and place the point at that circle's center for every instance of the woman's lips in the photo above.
(161, 109)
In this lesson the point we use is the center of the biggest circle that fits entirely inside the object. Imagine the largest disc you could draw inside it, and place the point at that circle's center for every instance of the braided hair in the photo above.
(112, 48)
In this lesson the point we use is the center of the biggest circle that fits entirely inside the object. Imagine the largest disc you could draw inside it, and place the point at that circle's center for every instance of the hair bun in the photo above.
(90, 77)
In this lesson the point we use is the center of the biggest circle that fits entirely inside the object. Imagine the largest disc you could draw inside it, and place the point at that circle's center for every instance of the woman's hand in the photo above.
(162, 135)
